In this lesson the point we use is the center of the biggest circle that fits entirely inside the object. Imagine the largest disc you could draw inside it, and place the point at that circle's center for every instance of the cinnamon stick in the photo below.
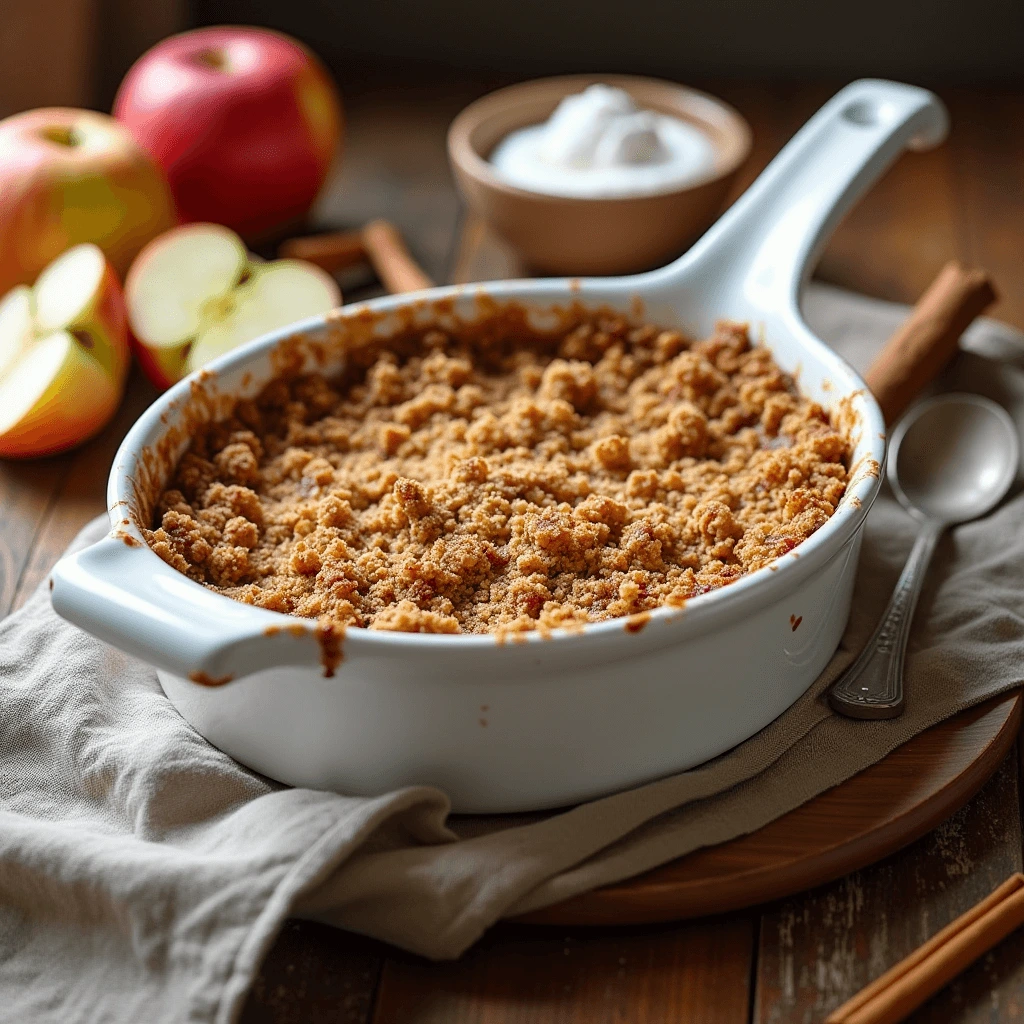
(380, 242)
(918, 351)
(918, 977)
(334, 251)
(395, 268)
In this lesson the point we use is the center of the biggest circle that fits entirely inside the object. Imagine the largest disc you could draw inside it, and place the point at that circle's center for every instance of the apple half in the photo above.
(64, 355)
(195, 293)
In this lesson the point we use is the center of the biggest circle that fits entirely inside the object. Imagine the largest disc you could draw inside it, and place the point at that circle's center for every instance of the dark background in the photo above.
(942, 41)
(74, 52)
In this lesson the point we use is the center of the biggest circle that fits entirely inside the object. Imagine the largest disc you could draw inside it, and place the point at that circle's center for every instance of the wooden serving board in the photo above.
(864, 819)
(877, 812)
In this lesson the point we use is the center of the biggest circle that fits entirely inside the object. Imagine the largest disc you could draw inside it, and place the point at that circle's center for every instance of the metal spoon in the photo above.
(951, 459)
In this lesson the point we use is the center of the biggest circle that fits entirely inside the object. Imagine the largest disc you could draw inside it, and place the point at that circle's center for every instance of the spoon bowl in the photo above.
(953, 458)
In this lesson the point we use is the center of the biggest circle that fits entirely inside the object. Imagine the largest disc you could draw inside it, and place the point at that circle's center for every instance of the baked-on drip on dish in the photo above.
(507, 480)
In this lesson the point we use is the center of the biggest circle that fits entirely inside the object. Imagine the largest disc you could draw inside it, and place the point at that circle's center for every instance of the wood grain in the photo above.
(27, 490)
(819, 949)
(989, 163)
(697, 973)
(315, 974)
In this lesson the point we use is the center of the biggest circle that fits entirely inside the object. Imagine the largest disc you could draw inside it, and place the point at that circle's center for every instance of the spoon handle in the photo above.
(872, 687)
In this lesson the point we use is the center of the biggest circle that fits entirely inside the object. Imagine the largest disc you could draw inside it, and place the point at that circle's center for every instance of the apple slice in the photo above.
(276, 294)
(195, 293)
(16, 328)
(55, 396)
(63, 355)
(170, 285)
(79, 293)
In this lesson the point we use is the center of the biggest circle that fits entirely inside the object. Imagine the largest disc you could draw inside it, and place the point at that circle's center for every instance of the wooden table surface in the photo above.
(786, 962)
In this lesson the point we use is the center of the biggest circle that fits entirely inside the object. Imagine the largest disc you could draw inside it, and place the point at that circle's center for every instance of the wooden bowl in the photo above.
(562, 235)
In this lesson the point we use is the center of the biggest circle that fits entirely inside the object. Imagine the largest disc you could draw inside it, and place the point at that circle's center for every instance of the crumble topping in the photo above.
(506, 482)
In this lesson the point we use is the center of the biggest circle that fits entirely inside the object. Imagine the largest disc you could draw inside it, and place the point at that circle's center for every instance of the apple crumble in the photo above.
(506, 481)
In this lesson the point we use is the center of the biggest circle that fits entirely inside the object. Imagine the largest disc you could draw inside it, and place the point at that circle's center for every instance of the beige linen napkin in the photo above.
(143, 874)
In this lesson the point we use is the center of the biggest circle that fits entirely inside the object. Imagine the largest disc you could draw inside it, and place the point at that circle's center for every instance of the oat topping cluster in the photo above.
(506, 481)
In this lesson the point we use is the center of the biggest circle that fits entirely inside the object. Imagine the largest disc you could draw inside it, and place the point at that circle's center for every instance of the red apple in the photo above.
(70, 176)
(244, 121)
(63, 355)
(195, 293)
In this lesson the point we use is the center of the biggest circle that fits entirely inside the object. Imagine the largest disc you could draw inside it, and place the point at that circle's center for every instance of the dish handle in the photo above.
(772, 235)
(122, 592)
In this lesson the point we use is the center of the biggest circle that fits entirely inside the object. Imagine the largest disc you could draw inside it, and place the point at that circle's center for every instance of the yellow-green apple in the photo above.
(244, 121)
(195, 292)
(63, 355)
(70, 176)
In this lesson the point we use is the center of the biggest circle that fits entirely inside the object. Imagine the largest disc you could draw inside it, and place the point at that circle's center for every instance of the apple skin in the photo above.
(105, 323)
(244, 121)
(162, 366)
(55, 195)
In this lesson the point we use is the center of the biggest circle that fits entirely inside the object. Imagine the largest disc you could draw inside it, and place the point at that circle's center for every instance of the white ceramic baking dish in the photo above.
(549, 721)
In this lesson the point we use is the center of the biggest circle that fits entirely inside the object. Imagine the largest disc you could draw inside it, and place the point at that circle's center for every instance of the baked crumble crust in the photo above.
(506, 483)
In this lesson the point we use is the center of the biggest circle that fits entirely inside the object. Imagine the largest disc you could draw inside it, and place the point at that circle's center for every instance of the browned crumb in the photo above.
(503, 484)
(203, 679)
